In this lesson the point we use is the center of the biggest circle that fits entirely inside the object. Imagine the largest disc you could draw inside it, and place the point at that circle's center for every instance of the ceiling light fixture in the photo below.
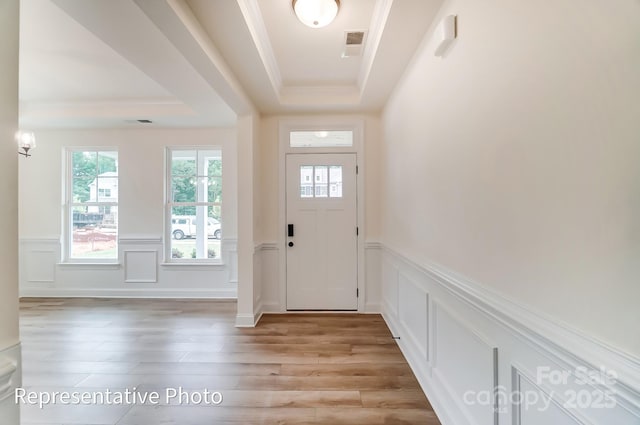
(316, 13)
(26, 141)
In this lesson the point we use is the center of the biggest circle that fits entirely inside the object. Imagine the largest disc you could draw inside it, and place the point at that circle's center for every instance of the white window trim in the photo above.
(67, 194)
(168, 260)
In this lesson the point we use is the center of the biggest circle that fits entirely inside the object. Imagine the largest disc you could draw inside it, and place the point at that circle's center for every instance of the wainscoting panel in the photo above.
(389, 286)
(139, 273)
(542, 412)
(42, 254)
(230, 258)
(257, 284)
(414, 313)
(140, 266)
(44, 269)
(10, 379)
(476, 354)
(270, 270)
(463, 361)
(373, 277)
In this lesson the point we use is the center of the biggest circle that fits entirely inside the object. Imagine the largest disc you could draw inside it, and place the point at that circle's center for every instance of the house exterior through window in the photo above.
(92, 205)
(194, 204)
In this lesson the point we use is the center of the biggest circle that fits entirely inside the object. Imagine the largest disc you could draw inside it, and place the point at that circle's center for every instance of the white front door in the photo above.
(322, 243)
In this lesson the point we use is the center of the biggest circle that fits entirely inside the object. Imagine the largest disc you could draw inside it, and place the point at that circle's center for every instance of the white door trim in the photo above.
(286, 125)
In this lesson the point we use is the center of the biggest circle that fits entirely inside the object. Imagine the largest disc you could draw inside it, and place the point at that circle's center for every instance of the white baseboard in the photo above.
(446, 324)
(247, 320)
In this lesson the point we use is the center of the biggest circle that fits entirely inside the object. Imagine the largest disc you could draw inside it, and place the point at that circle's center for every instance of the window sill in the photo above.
(94, 266)
(187, 264)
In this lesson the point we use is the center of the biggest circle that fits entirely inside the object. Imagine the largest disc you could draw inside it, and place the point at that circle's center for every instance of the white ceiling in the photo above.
(313, 56)
(103, 63)
(71, 77)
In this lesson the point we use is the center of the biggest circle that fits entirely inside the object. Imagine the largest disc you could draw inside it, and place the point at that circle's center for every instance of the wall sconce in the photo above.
(26, 141)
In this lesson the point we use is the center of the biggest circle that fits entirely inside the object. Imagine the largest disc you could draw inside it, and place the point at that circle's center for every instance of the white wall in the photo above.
(510, 221)
(515, 160)
(141, 158)
(248, 217)
(9, 339)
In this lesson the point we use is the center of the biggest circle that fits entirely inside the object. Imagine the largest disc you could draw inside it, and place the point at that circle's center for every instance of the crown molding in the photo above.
(289, 95)
(376, 29)
(253, 17)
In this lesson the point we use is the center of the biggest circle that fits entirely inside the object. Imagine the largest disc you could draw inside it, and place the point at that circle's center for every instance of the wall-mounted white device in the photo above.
(445, 33)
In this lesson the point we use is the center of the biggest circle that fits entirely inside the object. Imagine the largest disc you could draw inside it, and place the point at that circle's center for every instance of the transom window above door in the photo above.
(321, 139)
(321, 181)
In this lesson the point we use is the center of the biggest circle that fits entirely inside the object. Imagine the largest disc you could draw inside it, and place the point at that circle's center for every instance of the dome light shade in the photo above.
(316, 13)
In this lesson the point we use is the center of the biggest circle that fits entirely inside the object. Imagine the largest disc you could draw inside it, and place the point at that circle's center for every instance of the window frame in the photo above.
(169, 205)
(69, 206)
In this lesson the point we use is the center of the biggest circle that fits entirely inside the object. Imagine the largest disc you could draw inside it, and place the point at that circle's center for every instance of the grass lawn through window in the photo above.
(186, 248)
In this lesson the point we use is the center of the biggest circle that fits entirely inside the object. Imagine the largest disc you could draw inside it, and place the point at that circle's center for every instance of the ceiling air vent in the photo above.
(355, 37)
(353, 43)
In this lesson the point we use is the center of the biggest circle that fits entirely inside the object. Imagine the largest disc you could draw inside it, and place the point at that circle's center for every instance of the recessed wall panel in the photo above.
(141, 266)
(41, 266)
(413, 312)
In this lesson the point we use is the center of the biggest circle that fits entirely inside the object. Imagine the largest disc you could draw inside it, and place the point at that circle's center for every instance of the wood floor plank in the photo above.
(347, 416)
(394, 399)
(198, 368)
(297, 369)
(286, 348)
(251, 398)
(327, 383)
(354, 369)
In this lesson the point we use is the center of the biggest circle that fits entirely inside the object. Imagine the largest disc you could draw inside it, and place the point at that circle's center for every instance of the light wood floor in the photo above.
(291, 369)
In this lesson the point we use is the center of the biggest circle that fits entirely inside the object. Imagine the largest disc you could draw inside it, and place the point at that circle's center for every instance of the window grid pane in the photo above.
(195, 204)
(306, 181)
(321, 181)
(335, 181)
(95, 232)
(93, 205)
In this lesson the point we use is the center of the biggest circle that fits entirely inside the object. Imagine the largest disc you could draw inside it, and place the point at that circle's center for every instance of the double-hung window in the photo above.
(194, 204)
(92, 205)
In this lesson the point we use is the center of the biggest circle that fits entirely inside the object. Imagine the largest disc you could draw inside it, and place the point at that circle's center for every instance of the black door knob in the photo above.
(290, 243)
